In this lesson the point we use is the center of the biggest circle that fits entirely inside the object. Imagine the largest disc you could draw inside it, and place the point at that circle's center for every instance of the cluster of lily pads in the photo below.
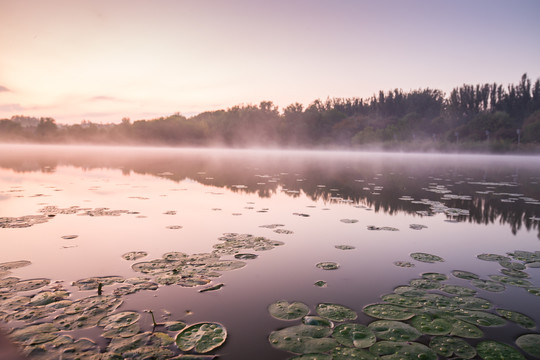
(424, 319)
(44, 315)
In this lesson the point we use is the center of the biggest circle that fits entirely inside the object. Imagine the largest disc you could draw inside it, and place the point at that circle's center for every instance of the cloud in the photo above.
(3, 88)
(12, 107)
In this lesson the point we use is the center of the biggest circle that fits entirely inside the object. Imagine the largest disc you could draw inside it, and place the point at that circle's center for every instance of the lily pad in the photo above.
(14, 264)
(465, 275)
(392, 350)
(335, 312)
(245, 256)
(458, 290)
(354, 335)
(394, 330)
(515, 273)
(124, 332)
(345, 247)
(317, 321)
(431, 325)
(480, 318)
(288, 311)
(472, 303)
(202, 337)
(34, 334)
(417, 226)
(512, 265)
(31, 284)
(344, 353)
(134, 255)
(488, 285)
(508, 280)
(425, 284)
(121, 319)
(493, 257)
(427, 258)
(530, 343)
(494, 350)
(312, 357)
(466, 330)
(404, 264)
(447, 346)
(349, 221)
(434, 276)
(320, 283)
(328, 265)
(388, 312)
(303, 339)
(518, 318)
(93, 282)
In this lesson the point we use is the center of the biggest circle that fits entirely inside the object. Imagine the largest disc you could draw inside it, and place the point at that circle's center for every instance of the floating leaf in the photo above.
(530, 343)
(427, 258)
(349, 221)
(448, 346)
(320, 283)
(388, 312)
(93, 282)
(303, 339)
(511, 281)
(383, 228)
(328, 265)
(417, 226)
(202, 337)
(354, 335)
(212, 288)
(512, 265)
(465, 275)
(134, 255)
(335, 312)
(34, 334)
(488, 285)
(431, 324)
(494, 350)
(434, 276)
(245, 256)
(392, 350)
(404, 264)
(121, 319)
(493, 257)
(518, 318)
(425, 284)
(317, 321)
(288, 311)
(406, 301)
(124, 332)
(458, 290)
(344, 353)
(394, 330)
(515, 273)
(70, 237)
(472, 303)
(313, 357)
(31, 284)
(480, 318)
(345, 247)
(466, 330)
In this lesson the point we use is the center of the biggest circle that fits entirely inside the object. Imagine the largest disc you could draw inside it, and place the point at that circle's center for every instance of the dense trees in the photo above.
(488, 114)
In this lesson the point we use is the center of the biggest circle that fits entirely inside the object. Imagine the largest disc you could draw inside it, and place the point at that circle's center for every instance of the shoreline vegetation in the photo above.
(472, 118)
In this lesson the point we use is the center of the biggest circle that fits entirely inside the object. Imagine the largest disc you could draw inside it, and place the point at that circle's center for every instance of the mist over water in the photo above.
(184, 200)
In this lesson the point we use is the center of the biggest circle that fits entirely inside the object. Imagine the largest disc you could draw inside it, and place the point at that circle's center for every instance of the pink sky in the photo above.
(103, 60)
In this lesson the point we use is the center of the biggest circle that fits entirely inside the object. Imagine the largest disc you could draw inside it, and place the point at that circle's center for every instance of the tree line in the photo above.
(483, 115)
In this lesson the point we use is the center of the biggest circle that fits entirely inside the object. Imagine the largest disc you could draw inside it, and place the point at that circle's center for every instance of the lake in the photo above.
(257, 230)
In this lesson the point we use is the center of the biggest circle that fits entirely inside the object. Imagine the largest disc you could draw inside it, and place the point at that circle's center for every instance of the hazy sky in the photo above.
(102, 60)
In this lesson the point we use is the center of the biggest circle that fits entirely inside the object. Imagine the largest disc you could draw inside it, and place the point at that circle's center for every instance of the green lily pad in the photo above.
(92, 283)
(515, 273)
(488, 285)
(409, 291)
(392, 350)
(518, 318)
(427, 258)
(434, 276)
(121, 319)
(335, 312)
(447, 346)
(202, 337)
(288, 311)
(124, 332)
(354, 335)
(86, 319)
(480, 318)
(134, 255)
(472, 303)
(394, 330)
(312, 357)
(465, 275)
(320, 283)
(534, 290)
(438, 302)
(404, 264)
(31, 284)
(493, 257)
(494, 350)
(402, 300)
(317, 321)
(345, 247)
(527, 256)
(303, 339)
(425, 284)
(388, 312)
(512, 265)
(458, 290)
(530, 343)
(466, 330)
(511, 281)
(344, 353)
(328, 265)
(431, 324)
(245, 256)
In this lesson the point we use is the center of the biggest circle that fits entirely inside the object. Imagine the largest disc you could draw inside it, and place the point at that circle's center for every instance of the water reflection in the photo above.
(491, 188)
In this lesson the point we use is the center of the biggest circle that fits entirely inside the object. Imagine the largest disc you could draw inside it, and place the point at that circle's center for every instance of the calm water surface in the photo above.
(207, 193)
